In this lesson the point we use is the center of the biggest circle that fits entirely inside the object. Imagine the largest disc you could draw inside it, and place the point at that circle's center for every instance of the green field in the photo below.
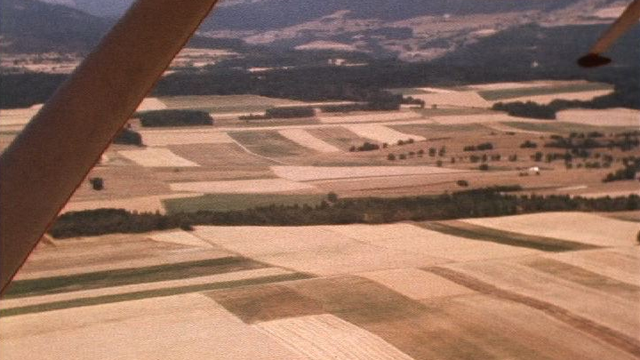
(560, 127)
(103, 279)
(269, 144)
(231, 202)
(503, 94)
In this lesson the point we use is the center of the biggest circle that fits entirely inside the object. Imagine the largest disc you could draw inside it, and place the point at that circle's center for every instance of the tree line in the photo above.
(496, 201)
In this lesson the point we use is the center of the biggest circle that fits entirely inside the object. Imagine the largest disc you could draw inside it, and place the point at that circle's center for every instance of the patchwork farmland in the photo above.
(551, 285)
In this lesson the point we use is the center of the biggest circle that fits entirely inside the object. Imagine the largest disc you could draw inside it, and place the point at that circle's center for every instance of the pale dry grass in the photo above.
(184, 137)
(316, 173)
(475, 119)
(607, 117)
(140, 203)
(177, 327)
(381, 133)
(417, 284)
(322, 337)
(258, 186)
(580, 227)
(17, 116)
(368, 117)
(151, 104)
(156, 157)
(302, 137)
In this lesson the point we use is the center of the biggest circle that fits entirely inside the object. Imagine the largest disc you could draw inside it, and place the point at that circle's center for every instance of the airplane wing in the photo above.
(45, 164)
(626, 21)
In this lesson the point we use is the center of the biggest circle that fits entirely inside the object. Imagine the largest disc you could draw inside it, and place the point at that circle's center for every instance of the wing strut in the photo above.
(45, 164)
(626, 21)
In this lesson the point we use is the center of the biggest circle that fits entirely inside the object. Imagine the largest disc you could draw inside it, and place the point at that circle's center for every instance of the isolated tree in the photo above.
(97, 183)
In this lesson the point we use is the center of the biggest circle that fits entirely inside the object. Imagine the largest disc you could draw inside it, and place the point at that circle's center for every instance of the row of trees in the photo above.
(166, 118)
(465, 204)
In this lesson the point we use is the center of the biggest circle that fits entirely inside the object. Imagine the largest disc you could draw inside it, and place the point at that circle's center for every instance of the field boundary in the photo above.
(601, 332)
(481, 233)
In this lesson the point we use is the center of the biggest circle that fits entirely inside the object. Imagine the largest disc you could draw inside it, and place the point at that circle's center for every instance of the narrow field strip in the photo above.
(317, 173)
(112, 278)
(321, 337)
(601, 332)
(481, 233)
(151, 204)
(337, 136)
(126, 289)
(258, 186)
(156, 157)
(586, 278)
(381, 133)
(151, 104)
(304, 138)
(184, 137)
(368, 117)
(148, 294)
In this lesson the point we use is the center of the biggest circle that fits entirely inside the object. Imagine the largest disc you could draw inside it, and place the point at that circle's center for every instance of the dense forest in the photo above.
(467, 204)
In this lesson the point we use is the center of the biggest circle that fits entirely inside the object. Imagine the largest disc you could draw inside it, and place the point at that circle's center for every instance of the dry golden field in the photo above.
(554, 286)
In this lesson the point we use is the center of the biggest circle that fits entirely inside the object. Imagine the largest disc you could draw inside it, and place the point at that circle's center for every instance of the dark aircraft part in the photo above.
(593, 60)
(45, 164)
(624, 23)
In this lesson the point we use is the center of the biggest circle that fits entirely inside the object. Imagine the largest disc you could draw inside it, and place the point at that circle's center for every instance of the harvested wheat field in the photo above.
(368, 117)
(184, 137)
(580, 227)
(17, 117)
(321, 337)
(269, 144)
(150, 204)
(108, 252)
(608, 262)
(597, 305)
(199, 329)
(608, 117)
(316, 173)
(258, 186)
(222, 157)
(417, 284)
(304, 138)
(380, 133)
(315, 250)
(156, 157)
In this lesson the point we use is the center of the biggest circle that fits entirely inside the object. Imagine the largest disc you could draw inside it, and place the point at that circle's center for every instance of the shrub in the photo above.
(391, 157)
(97, 183)
(484, 167)
(528, 145)
(128, 137)
(332, 197)
(403, 157)
(439, 163)
(462, 183)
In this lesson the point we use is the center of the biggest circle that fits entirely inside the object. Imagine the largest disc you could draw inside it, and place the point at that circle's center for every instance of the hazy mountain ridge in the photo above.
(412, 30)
